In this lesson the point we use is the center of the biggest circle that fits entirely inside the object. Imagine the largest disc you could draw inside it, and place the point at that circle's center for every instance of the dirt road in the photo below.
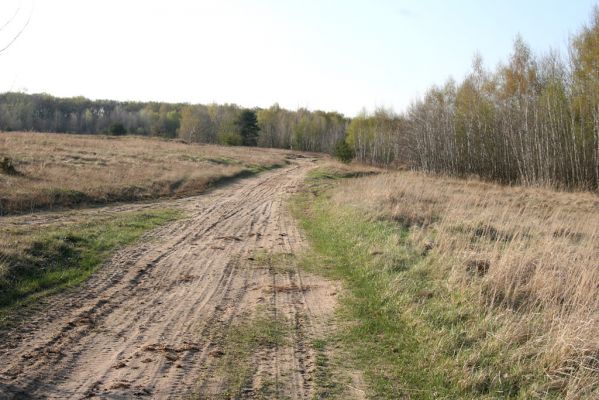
(152, 321)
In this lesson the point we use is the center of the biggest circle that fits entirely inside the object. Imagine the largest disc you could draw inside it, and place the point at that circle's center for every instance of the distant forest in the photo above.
(224, 124)
(533, 120)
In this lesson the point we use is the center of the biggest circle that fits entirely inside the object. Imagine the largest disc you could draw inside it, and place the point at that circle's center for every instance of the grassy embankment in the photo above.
(43, 171)
(459, 289)
(35, 263)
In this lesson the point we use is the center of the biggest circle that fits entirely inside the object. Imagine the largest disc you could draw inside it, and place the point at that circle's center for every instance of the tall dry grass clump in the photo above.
(64, 170)
(529, 256)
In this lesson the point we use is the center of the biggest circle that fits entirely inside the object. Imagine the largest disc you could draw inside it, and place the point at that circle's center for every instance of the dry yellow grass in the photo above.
(62, 170)
(529, 255)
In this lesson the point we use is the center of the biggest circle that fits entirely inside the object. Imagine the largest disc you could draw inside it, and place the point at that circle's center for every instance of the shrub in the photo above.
(230, 139)
(343, 152)
(118, 129)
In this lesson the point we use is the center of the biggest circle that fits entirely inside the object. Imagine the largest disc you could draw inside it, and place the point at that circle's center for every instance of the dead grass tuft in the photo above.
(7, 166)
(478, 267)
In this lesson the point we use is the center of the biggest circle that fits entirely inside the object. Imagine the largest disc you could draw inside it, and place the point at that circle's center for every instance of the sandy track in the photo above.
(146, 325)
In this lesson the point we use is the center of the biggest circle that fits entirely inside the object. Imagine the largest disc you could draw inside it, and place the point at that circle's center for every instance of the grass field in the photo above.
(42, 171)
(457, 288)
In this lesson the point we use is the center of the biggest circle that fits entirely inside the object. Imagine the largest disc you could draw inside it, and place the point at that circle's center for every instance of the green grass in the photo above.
(329, 381)
(321, 175)
(55, 258)
(402, 326)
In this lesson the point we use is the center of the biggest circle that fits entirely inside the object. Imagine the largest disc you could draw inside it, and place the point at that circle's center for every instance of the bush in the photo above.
(118, 129)
(230, 139)
(343, 152)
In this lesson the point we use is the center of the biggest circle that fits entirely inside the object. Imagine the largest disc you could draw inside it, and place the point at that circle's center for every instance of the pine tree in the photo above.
(248, 127)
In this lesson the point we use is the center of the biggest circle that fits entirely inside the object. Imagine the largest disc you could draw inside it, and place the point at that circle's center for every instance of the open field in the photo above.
(457, 288)
(57, 170)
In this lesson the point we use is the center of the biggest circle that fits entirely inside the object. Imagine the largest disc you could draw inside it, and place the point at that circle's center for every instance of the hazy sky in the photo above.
(332, 55)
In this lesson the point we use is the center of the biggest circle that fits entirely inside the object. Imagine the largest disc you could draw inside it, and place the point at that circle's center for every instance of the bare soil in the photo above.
(149, 323)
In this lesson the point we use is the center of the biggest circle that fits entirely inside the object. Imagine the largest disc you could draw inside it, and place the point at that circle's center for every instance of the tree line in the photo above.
(227, 124)
(532, 120)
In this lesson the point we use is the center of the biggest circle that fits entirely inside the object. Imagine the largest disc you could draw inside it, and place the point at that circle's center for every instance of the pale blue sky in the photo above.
(331, 55)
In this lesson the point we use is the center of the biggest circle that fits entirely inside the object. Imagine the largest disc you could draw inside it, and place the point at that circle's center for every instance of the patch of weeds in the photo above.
(327, 383)
(239, 346)
(277, 262)
(67, 197)
(325, 173)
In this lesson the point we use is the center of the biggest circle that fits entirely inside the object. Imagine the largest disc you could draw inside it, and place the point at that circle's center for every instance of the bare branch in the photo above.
(14, 39)
(13, 17)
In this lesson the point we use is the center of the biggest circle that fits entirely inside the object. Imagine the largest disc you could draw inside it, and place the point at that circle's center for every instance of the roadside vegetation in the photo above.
(44, 171)
(37, 262)
(459, 288)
